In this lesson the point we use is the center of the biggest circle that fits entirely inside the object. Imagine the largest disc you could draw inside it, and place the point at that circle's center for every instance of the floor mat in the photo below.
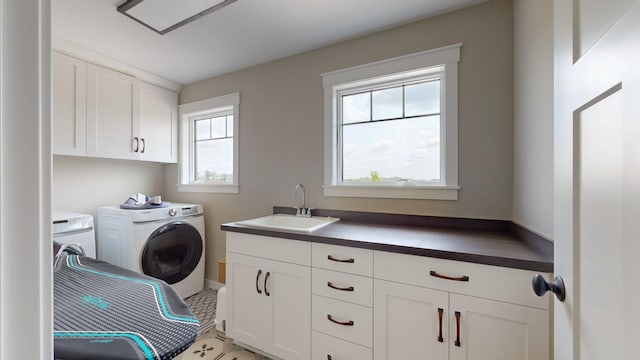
(211, 344)
(203, 306)
(214, 346)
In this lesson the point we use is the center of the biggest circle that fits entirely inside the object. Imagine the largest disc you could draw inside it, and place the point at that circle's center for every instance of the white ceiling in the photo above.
(243, 34)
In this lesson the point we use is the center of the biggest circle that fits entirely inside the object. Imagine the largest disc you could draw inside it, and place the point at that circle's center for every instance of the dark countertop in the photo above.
(498, 247)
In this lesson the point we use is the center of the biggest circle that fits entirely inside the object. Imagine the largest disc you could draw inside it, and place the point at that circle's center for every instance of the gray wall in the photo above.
(83, 184)
(533, 116)
(281, 123)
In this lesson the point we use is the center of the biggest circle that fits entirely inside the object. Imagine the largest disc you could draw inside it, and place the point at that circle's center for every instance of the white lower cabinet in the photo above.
(413, 321)
(494, 330)
(410, 322)
(269, 304)
(298, 300)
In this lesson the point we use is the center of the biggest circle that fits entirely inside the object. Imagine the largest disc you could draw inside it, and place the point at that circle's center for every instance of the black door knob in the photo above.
(541, 286)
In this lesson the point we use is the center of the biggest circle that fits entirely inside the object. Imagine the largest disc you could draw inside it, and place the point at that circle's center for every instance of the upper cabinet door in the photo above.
(112, 114)
(158, 124)
(69, 105)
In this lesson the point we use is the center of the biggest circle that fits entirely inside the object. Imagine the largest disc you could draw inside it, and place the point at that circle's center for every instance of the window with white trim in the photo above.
(209, 145)
(391, 128)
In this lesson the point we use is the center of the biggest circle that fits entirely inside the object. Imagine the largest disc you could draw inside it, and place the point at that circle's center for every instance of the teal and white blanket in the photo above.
(102, 311)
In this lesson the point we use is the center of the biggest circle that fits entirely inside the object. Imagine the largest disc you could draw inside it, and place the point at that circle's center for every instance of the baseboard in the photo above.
(210, 284)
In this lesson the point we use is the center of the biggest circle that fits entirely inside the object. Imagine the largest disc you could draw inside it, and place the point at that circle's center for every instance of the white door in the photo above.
(287, 288)
(483, 329)
(247, 311)
(69, 105)
(158, 124)
(269, 305)
(112, 114)
(597, 178)
(410, 322)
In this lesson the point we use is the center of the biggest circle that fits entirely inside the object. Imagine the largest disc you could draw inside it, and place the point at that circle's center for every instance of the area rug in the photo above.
(210, 343)
(214, 346)
(203, 305)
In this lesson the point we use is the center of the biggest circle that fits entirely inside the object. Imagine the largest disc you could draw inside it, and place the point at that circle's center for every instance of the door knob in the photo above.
(541, 286)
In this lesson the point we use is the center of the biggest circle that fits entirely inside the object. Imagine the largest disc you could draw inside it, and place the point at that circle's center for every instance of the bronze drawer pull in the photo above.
(258, 278)
(266, 278)
(457, 313)
(345, 323)
(440, 314)
(350, 260)
(461, 278)
(350, 288)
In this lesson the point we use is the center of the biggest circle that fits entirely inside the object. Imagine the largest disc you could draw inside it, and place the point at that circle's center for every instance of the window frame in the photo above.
(188, 114)
(441, 62)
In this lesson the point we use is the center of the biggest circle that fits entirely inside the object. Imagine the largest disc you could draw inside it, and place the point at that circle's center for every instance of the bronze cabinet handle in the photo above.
(350, 260)
(266, 277)
(258, 278)
(137, 144)
(457, 343)
(343, 323)
(329, 357)
(440, 314)
(144, 146)
(330, 284)
(461, 278)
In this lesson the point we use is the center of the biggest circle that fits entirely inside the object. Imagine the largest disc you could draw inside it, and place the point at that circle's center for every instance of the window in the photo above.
(209, 145)
(391, 128)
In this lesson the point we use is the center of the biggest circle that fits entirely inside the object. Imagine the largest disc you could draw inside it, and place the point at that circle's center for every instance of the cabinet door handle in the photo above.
(329, 357)
(266, 277)
(350, 260)
(461, 278)
(343, 323)
(457, 313)
(258, 278)
(440, 314)
(144, 146)
(350, 288)
(137, 144)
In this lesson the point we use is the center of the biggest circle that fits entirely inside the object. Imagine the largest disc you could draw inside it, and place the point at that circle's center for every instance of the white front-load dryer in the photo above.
(167, 243)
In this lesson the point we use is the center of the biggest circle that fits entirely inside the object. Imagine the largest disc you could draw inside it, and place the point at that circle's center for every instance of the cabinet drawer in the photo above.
(325, 347)
(357, 320)
(291, 251)
(341, 286)
(342, 258)
(486, 281)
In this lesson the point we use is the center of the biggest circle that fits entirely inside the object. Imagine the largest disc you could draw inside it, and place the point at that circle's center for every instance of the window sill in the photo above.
(208, 188)
(394, 192)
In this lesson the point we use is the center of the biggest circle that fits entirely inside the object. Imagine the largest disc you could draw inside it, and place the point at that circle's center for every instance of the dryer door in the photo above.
(172, 252)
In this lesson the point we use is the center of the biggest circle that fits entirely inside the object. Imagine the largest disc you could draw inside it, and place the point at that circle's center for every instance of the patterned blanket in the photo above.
(102, 311)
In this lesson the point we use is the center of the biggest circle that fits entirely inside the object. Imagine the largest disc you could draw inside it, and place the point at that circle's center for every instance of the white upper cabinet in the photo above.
(100, 112)
(69, 105)
(112, 114)
(158, 124)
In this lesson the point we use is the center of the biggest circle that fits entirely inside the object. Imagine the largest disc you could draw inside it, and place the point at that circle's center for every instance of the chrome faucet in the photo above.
(302, 211)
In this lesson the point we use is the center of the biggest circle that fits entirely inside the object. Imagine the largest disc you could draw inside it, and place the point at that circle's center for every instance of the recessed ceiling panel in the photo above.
(166, 15)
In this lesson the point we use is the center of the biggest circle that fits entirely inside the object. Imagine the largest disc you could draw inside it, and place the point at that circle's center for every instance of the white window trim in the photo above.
(447, 56)
(186, 113)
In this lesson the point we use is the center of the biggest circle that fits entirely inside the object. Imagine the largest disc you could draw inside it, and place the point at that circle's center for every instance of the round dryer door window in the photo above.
(172, 252)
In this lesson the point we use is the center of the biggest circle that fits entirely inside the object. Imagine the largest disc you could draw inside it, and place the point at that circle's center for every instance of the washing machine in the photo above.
(167, 243)
(73, 228)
